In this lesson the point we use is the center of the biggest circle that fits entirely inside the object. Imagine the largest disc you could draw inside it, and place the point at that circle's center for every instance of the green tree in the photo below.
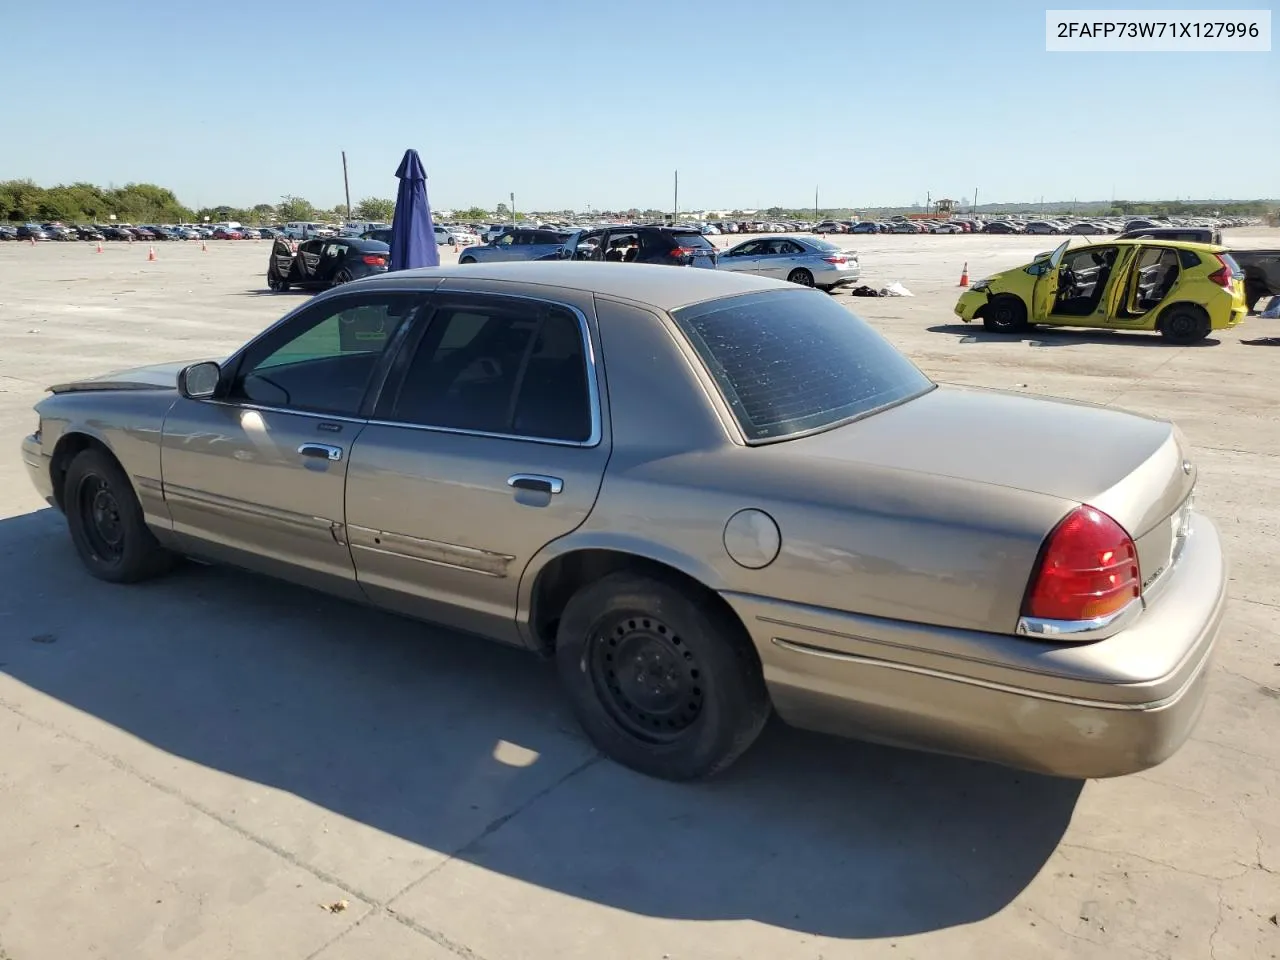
(295, 208)
(262, 212)
(376, 208)
(503, 210)
(473, 213)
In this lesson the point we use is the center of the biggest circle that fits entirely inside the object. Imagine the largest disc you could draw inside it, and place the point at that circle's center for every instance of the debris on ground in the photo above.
(895, 289)
(336, 907)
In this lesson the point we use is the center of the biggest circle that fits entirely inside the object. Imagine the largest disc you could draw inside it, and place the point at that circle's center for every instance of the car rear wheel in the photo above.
(1005, 313)
(662, 681)
(342, 276)
(467, 260)
(801, 276)
(106, 523)
(1183, 323)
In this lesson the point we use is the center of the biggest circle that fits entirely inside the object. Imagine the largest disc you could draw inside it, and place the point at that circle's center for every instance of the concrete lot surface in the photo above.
(212, 766)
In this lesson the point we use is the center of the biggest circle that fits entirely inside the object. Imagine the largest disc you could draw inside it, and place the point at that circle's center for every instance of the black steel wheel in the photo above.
(645, 676)
(106, 522)
(801, 276)
(1005, 313)
(663, 679)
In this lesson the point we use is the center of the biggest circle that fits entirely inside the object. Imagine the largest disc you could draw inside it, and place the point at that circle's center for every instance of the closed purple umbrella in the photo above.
(413, 235)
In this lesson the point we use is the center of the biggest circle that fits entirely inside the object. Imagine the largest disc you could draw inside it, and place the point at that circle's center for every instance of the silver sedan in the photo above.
(808, 261)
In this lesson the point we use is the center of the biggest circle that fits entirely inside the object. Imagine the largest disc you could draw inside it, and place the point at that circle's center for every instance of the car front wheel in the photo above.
(1005, 313)
(662, 681)
(106, 522)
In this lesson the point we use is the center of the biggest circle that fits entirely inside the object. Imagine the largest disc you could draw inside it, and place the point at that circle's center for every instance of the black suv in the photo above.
(676, 246)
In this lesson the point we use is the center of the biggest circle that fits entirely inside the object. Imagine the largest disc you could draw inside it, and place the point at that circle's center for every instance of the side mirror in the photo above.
(200, 380)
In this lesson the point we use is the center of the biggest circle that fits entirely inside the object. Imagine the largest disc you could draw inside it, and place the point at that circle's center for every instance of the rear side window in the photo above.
(502, 366)
(793, 362)
(1188, 259)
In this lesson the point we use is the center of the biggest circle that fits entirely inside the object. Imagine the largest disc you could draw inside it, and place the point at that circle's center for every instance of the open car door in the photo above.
(1046, 289)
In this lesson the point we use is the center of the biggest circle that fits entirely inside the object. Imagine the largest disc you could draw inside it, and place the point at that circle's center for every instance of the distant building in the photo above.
(945, 206)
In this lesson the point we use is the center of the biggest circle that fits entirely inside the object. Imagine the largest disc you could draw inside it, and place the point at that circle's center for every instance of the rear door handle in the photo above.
(535, 481)
(321, 451)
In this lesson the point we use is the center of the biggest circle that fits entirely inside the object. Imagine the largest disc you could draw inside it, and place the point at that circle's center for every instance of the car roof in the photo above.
(657, 285)
(1155, 242)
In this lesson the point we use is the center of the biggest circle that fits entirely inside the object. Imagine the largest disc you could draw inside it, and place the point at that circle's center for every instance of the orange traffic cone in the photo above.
(964, 275)
(99, 250)
(151, 253)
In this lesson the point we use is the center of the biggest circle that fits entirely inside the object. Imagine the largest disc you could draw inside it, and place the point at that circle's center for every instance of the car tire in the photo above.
(467, 260)
(709, 703)
(800, 276)
(1005, 313)
(1184, 323)
(341, 277)
(106, 522)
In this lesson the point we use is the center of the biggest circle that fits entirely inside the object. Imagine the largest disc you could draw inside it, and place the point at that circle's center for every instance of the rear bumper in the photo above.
(1084, 710)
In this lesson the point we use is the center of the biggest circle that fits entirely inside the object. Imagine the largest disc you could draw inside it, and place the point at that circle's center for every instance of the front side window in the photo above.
(323, 361)
(790, 363)
(502, 366)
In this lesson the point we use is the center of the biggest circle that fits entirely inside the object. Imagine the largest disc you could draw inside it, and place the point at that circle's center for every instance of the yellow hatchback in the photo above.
(1184, 290)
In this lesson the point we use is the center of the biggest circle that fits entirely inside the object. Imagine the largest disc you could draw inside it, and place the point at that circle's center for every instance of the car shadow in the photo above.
(1058, 336)
(1263, 342)
(265, 292)
(397, 725)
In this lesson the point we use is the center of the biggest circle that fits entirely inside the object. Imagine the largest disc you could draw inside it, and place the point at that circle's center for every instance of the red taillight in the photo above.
(682, 252)
(1223, 275)
(1088, 569)
(374, 261)
(835, 259)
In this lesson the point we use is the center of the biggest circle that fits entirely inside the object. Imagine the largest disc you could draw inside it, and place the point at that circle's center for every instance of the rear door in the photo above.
(309, 259)
(487, 443)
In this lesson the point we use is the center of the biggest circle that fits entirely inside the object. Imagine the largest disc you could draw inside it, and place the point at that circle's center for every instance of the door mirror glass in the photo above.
(200, 380)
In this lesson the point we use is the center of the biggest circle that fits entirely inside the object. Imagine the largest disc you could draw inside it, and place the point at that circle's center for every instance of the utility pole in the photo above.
(675, 202)
(975, 201)
(928, 201)
(815, 203)
(513, 208)
(345, 185)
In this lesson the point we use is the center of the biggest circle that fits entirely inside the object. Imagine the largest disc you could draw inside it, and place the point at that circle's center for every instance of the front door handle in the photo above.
(535, 481)
(321, 451)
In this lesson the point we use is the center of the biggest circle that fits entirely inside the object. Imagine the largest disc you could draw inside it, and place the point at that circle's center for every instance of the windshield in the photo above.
(790, 362)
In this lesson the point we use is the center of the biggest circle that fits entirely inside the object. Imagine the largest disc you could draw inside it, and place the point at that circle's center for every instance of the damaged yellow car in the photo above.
(1183, 290)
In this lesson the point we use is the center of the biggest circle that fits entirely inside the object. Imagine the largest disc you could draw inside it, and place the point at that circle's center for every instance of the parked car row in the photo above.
(149, 233)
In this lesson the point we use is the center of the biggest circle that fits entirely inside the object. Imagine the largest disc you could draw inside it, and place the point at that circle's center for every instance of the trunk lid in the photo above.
(1131, 467)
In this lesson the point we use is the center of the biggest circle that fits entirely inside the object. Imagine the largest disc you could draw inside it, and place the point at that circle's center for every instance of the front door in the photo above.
(487, 444)
(1046, 289)
(256, 475)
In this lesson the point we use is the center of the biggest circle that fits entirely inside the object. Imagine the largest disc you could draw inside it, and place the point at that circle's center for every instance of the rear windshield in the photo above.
(793, 362)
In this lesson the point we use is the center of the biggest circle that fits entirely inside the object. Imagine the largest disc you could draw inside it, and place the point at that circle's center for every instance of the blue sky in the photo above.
(570, 103)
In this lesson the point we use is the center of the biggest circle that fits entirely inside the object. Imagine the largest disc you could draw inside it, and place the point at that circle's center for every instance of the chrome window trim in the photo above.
(593, 386)
(593, 390)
